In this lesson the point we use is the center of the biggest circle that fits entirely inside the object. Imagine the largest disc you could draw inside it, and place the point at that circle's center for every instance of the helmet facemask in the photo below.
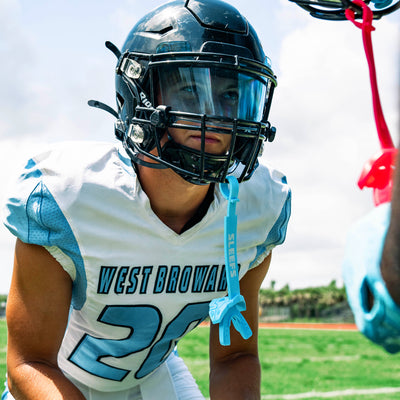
(205, 93)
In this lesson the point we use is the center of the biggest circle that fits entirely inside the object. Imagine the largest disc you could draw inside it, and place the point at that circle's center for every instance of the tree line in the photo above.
(309, 302)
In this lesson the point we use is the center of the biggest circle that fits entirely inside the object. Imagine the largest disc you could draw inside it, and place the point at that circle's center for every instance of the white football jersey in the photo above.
(138, 286)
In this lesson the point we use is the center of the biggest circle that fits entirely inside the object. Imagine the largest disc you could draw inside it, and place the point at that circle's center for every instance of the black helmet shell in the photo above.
(191, 34)
(206, 25)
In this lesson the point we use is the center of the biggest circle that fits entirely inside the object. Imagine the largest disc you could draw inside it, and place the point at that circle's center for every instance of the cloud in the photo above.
(326, 132)
(322, 109)
(15, 50)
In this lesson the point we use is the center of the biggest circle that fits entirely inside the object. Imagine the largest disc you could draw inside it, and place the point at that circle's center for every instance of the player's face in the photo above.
(200, 92)
(214, 143)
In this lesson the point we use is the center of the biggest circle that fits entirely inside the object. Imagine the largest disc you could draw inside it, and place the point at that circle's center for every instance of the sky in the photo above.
(54, 60)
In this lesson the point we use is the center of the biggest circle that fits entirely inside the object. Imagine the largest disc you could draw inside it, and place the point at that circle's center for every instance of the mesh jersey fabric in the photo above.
(138, 287)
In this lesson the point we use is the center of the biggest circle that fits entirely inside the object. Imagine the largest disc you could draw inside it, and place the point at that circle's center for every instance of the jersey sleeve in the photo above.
(49, 202)
(281, 200)
(32, 215)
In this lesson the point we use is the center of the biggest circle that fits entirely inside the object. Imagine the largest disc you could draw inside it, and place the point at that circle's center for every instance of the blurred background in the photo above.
(54, 60)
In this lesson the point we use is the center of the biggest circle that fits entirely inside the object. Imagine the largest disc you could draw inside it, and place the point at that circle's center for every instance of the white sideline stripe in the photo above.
(326, 395)
(336, 393)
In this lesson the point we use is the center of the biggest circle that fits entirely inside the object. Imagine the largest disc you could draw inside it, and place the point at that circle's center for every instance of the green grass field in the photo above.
(299, 361)
(3, 343)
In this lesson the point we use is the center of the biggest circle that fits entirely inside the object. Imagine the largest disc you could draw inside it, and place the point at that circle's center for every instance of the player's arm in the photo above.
(235, 371)
(390, 263)
(37, 315)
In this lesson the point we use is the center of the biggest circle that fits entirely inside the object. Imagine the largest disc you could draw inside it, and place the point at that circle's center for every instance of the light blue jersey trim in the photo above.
(6, 394)
(40, 221)
(126, 161)
(277, 234)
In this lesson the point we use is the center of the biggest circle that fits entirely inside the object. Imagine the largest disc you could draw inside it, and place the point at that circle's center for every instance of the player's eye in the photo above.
(188, 89)
(231, 96)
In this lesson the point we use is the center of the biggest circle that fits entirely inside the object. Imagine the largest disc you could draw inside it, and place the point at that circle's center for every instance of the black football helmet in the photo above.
(194, 65)
(335, 9)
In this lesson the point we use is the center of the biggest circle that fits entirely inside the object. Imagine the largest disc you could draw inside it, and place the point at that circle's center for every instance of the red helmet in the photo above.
(334, 9)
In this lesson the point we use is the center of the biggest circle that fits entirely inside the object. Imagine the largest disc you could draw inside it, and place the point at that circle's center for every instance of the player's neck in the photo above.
(174, 200)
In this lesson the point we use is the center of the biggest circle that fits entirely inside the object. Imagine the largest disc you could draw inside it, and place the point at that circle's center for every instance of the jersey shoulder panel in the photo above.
(265, 202)
(59, 174)
(54, 184)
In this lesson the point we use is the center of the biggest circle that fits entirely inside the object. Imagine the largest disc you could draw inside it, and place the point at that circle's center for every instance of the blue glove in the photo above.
(361, 274)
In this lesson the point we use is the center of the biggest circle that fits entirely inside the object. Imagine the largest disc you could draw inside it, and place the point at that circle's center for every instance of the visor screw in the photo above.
(134, 69)
(136, 133)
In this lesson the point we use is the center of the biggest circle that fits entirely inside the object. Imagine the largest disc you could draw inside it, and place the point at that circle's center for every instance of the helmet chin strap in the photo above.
(148, 164)
(195, 166)
(378, 171)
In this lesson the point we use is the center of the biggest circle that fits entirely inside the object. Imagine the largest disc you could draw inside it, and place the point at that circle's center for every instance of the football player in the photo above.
(371, 271)
(120, 249)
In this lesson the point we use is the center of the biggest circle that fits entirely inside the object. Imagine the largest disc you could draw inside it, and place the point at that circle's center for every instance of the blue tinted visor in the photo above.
(214, 91)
